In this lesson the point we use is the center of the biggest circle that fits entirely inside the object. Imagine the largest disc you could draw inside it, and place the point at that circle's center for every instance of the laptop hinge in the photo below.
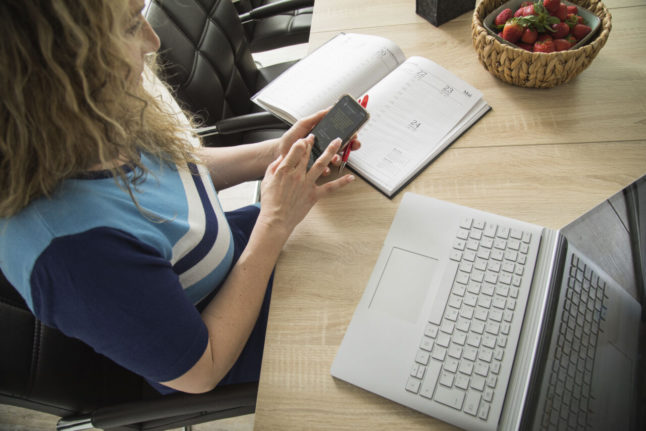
(534, 336)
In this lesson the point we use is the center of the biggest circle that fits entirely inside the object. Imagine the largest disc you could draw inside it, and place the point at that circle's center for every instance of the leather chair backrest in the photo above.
(206, 57)
(44, 370)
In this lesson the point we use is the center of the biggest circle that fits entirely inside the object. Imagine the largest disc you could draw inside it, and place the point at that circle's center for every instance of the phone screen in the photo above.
(344, 120)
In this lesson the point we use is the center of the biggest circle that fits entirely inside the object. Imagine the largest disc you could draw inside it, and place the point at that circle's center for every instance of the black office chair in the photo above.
(206, 59)
(41, 369)
(272, 24)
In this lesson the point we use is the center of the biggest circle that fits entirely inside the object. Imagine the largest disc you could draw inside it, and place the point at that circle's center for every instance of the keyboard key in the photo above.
(422, 357)
(483, 412)
(490, 230)
(470, 353)
(459, 338)
(413, 385)
(432, 374)
(478, 383)
(481, 369)
(439, 353)
(462, 381)
(455, 351)
(426, 344)
(443, 339)
(431, 330)
(456, 255)
(453, 397)
(466, 223)
(471, 403)
(466, 367)
(487, 395)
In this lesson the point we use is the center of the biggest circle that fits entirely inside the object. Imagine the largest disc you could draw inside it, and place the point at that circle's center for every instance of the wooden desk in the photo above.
(543, 156)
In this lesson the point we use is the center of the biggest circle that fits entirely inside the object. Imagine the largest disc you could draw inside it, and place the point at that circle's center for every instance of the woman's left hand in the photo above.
(301, 129)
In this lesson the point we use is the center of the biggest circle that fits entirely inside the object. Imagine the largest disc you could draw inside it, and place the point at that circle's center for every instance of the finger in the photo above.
(309, 122)
(296, 155)
(336, 160)
(355, 143)
(324, 159)
(271, 168)
(332, 186)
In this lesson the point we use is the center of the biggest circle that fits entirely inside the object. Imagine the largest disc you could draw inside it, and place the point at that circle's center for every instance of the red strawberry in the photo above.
(544, 45)
(572, 9)
(503, 17)
(561, 45)
(561, 13)
(529, 10)
(512, 31)
(571, 39)
(560, 30)
(519, 12)
(543, 37)
(551, 5)
(529, 35)
(526, 46)
(580, 30)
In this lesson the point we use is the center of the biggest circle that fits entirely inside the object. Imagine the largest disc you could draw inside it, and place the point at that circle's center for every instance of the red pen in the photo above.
(348, 148)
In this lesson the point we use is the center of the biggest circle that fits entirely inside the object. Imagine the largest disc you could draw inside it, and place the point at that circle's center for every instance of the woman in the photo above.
(111, 229)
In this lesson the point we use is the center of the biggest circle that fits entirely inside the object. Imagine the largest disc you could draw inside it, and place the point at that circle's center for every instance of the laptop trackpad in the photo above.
(403, 284)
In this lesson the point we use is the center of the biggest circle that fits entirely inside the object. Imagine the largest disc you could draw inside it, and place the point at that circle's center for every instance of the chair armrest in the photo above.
(225, 401)
(276, 8)
(242, 123)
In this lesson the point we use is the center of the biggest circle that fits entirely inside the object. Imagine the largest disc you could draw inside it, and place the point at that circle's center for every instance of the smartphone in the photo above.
(342, 121)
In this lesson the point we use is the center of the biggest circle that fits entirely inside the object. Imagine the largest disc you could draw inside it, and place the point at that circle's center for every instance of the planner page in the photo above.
(414, 112)
(346, 64)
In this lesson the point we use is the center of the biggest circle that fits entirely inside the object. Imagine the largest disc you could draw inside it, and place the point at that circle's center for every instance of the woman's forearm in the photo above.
(230, 166)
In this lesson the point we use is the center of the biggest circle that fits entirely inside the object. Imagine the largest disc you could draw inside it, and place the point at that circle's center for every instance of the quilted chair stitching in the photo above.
(172, 20)
(235, 54)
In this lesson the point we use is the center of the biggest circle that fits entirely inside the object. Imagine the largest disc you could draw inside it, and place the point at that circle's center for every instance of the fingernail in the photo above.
(351, 178)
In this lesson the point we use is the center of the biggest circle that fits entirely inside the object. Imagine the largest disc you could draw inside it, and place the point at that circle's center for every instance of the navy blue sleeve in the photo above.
(122, 298)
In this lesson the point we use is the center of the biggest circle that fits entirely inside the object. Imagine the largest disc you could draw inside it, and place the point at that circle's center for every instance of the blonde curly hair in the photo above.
(66, 103)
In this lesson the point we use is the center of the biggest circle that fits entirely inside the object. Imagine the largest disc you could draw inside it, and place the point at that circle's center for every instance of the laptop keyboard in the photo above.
(567, 400)
(464, 350)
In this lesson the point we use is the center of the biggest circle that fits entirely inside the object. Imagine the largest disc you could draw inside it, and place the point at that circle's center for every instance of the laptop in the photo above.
(487, 323)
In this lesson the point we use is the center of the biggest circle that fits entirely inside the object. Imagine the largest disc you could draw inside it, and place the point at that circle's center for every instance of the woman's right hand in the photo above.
(289, 190)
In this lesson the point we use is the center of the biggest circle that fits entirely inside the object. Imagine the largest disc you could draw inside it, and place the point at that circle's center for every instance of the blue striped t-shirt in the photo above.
(125, 280)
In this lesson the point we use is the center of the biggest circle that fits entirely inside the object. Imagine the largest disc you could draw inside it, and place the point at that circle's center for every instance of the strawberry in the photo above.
(562, 45)
(519, 12)
(529, 35)
(572, 9)
(551, 5)
(543, 37)
(561, 13)
(503, 17)
(579, 31)
(546, 45)
(529, 10)
(512, 31)
(526, 46)
(571, 39)
(560, 30)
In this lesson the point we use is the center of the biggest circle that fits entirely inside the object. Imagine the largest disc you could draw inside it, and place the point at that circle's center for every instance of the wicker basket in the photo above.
(529, 69)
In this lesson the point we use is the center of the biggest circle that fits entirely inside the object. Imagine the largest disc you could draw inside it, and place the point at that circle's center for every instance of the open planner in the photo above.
(417, 108)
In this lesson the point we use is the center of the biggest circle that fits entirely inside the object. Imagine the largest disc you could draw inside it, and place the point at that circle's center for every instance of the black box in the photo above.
(437, 12)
